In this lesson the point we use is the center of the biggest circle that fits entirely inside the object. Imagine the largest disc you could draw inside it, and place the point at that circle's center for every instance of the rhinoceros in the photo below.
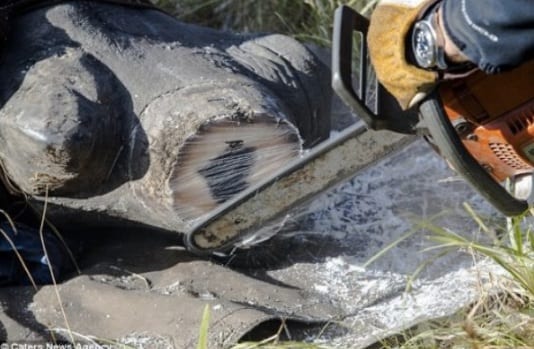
(116, 114)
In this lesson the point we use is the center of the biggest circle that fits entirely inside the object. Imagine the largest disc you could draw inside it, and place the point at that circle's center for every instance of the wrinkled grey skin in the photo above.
(86, 103)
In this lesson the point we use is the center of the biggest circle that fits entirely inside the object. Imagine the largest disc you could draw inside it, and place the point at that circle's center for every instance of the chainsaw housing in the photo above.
(494, 117)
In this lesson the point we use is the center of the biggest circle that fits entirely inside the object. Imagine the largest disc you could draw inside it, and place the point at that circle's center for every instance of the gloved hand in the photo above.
(387, 40)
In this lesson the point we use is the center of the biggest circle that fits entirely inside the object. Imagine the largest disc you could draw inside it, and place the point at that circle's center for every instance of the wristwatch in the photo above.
(428, 42)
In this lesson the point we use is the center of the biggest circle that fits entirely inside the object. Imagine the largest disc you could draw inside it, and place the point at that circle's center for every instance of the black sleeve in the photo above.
(494, 34)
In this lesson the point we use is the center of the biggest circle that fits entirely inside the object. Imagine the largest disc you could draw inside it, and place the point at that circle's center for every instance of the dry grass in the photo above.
(307, 20)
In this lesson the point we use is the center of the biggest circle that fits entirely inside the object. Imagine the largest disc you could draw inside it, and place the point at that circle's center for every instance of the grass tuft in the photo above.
(502, 319)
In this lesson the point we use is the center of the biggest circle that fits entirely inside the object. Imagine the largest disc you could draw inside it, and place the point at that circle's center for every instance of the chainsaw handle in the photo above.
(386, 113)
(446, 139)
(346, 21)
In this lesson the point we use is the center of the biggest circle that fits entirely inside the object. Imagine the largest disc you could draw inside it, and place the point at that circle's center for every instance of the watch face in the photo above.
(424, 44)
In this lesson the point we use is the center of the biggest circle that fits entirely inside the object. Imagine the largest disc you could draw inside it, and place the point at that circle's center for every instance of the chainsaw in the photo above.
(486, 138)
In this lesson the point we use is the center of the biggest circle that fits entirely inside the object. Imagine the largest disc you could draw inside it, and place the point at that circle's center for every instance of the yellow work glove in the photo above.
(387, 39)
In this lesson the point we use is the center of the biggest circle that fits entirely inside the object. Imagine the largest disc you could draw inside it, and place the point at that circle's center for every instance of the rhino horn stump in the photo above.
(228, 137)
(125, 115)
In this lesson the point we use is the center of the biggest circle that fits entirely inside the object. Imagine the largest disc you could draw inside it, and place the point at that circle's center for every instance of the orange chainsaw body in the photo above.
(494, 117)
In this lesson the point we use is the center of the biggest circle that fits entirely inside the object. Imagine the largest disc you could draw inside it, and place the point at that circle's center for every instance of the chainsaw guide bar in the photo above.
(242, 220)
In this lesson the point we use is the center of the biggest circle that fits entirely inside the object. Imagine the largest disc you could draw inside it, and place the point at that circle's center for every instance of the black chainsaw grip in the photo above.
(448, 142)
(346, 22)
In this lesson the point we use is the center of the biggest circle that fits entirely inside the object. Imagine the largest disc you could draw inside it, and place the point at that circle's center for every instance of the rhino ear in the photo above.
(64, 128)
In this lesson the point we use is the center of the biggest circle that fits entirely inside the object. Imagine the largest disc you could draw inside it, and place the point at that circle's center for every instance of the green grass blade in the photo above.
(204, 326)
(389, 247)
(476, 218)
